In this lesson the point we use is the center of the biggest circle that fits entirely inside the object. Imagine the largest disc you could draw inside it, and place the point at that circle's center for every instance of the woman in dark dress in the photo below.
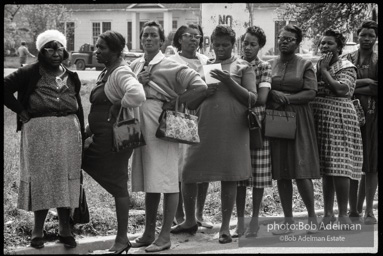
(117, 85)
(293, 87)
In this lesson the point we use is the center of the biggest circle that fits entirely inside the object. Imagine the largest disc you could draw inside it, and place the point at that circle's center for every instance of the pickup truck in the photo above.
(85, 58)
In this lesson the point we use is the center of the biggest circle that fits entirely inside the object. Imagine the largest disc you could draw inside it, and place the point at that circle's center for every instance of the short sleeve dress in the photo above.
(297, 158)
(224, 152)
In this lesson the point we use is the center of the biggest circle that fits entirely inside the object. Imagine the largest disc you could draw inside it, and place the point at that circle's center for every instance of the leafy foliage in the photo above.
(315, 18)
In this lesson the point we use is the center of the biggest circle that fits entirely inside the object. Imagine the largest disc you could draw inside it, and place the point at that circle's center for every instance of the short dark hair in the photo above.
(54, 45)
(293, 29)
(340, 39)
(182, 30)
(258, 32)
(153, 23)
(23, 43)
(223, 30)
(369, 24)
(114, 40)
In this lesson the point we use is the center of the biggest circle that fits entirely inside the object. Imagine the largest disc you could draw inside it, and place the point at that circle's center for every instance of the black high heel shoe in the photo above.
(125, 249)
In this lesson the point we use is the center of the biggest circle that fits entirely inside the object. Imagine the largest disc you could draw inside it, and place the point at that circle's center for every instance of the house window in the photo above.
(97, 27)
(174, 25)
(70, 36)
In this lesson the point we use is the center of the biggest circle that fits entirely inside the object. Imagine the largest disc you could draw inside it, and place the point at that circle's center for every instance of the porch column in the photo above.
(168, 22)
(135, 30)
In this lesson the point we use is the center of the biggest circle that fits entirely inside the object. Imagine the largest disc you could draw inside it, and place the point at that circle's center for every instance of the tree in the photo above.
(31, 20)
(316, 18)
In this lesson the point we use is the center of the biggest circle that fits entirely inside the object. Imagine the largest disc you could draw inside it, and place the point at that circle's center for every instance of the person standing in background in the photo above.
(366, 90)
(23, 53)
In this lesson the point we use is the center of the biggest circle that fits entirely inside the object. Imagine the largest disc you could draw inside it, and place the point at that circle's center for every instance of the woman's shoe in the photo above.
(137, 243)
(252, 233)
(156, 248)
(369, 219)
(125, 249)
(37, 242)
(205, 224)
(237, 234)
(224, 239)
(179, 229)
(326, 221)
(68, 241)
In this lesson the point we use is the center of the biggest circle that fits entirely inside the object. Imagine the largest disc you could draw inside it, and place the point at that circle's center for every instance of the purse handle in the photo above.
(119, 116)
(249, 101)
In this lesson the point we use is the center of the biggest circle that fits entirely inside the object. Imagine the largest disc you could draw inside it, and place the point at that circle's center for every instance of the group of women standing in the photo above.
(327, 144)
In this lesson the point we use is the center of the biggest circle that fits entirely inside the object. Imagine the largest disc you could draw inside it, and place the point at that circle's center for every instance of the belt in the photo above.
(164, 101)
(61, 113)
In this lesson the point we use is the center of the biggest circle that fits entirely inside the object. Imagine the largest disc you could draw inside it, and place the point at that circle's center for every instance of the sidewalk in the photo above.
(204, 240)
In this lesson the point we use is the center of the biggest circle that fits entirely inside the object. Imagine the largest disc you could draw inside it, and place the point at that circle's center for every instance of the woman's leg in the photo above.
(189, 194)
(361, 194)
(353, 198)
(64, 224)
(371, 186)
(122, 212)
(180, 216)
(39, 223)
(151, 206)
(342, 188)
(228, 196)
(201, 198)
(257, 200)
(285, 189)
(240, 204)
(169, 211)
(328, 195)
(306, 190)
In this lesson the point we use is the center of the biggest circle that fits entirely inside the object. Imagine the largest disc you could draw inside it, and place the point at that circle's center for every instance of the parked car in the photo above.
(349, 47)
(85, 58)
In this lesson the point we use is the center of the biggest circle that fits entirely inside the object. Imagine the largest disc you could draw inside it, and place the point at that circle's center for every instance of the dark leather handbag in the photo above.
(127, 133)
(280, 124)
(255, 128)
(81, 214)
(178, 127)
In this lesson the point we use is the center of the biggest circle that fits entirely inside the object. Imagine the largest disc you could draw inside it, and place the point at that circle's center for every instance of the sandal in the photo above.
(369, 219)
(252, 233)
(326, 221)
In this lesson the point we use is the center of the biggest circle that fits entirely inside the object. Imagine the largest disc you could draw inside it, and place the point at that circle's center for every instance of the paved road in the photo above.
(83, 74)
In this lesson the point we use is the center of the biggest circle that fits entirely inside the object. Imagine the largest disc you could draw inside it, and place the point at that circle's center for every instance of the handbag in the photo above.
(127, 133)
(80, 215)
(255, 128)
(178, 127)
(280, 124)
(359, 112)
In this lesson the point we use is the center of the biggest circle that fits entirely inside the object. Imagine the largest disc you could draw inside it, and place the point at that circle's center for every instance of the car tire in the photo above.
(80, 65)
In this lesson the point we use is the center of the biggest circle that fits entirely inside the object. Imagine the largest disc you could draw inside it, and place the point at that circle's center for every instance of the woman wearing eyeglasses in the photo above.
(188, 40)
(51, 120)
(293, 86)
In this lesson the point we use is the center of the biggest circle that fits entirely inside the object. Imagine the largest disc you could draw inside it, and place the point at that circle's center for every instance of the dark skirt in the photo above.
(297, 158)
(108, 168)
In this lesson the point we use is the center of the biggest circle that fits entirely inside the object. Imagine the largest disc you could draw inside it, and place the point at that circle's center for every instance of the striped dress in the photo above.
(260, 158)
(337, 125)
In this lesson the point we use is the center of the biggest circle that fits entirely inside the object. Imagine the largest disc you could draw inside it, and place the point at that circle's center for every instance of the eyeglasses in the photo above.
(286, 39)
(51, 51)
(190, 36)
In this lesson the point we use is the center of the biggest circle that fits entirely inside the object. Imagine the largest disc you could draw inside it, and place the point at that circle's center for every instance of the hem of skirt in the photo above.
(214, 179)
(296, 178)
(355, 177)
(254, 186)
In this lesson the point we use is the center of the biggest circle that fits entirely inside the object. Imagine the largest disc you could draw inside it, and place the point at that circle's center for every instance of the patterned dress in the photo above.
(260, 158)
(336, 121)
(369, 131)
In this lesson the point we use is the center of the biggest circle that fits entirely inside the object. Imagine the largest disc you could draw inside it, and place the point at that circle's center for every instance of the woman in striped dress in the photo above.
(252, 41)
(338, 132)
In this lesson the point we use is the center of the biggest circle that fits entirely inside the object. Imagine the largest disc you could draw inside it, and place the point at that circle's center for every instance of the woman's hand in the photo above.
(221, 75)
(143, 77)
(211, 90)
(325, 61)
(24, 117)
(278, 97)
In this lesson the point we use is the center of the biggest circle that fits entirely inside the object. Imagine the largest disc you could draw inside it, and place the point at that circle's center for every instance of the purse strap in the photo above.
(119, 116)
(249, 101)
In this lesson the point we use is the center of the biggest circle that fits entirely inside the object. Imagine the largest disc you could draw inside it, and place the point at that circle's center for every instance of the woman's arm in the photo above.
(240, 92)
